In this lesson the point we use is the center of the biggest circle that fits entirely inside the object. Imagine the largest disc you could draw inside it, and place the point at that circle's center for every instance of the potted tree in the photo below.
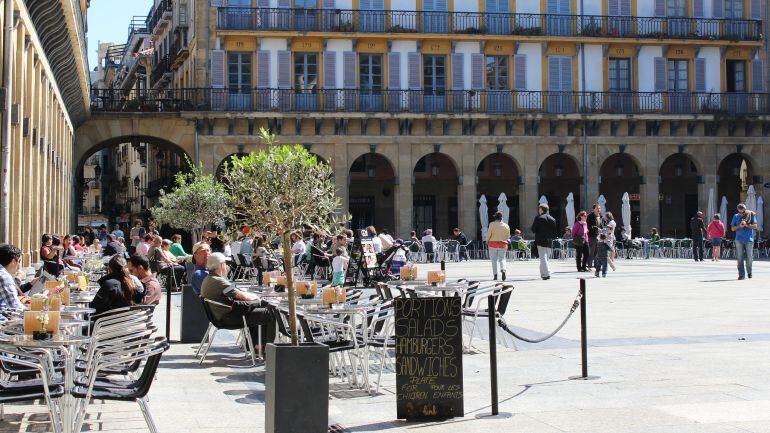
(282, 190)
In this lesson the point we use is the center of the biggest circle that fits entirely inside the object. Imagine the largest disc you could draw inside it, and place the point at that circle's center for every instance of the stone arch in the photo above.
(621, 173)
(558, 175)
(680, 177)
(435, 204)
(735, 172)
(372, 192)
(498, 173)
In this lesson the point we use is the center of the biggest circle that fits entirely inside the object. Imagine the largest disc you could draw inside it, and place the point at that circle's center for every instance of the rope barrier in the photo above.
(575, 305)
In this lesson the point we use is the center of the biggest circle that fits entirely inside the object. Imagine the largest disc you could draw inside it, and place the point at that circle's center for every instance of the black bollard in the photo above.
(583, 329)
(493, 352)
(443, 265)
(168, 314)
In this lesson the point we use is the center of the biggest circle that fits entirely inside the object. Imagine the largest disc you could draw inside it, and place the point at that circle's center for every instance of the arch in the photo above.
(679, 179)
(435, 194)
(619, 174)
(226, 160)
(559, 175)
(735, 173)
(159, 142)
(371, 192)
(498, 173)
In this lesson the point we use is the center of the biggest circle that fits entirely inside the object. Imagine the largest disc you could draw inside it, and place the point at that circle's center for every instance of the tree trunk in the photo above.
(288, 262)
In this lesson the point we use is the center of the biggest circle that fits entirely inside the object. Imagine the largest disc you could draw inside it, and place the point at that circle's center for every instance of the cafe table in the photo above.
(65, 343)
(453, 288)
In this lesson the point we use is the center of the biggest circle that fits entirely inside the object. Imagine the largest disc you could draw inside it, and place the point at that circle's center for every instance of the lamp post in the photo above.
(586, 200)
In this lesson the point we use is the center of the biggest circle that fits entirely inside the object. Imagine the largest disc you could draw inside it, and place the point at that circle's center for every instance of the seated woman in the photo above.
(167, 263)
(50, 254)
(95, 247)
(77, 244)
(71, 259)
(118, 288)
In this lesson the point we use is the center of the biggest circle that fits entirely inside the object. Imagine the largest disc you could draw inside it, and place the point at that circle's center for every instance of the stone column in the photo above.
(340, 162)
(649, 190)
(403, 198)
(708, 178)
(529, 197)
(467, 200)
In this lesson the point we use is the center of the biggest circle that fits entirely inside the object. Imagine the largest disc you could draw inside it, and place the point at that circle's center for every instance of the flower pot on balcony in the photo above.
(297, 388)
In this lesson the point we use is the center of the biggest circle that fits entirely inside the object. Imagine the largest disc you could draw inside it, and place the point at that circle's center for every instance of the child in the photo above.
(603, 251)
(399, 258)
(339, 263)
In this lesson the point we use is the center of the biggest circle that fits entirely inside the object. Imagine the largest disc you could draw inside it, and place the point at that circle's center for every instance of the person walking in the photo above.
(545, 230)
(595, 225)
(497, 242)
(698, 228)
(604, 249)
(716, 232)
(580, 241)
(743, 224)
(611, 225)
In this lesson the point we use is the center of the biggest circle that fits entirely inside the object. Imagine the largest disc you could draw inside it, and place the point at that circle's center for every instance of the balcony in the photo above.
(179, 48)
(160, 17)
(161, 73)
(491, 102)
(137, 26)
(480, 23)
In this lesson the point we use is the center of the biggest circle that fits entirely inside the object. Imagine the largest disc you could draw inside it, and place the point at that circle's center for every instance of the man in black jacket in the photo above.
(544, 228)
(595, 224)
(698, 228)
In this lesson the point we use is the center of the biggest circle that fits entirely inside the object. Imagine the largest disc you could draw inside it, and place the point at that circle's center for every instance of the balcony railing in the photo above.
(394, 21)
(138, 25)
(161, 68)
(421, 101)
(156, 15)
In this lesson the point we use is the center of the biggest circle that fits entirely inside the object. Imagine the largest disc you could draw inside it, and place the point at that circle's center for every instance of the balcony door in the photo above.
(499, 95)
(621, 98)
(372, 15)
(677, 23)
(239, 81)
(305, 81)
(306, 15)
(498, 17)
(560, 84)
(434, 82)
(559, 17)
(435, 16)
(370, 82)
(735, 81)
(239, 14)
(678, 74)
(735, 14)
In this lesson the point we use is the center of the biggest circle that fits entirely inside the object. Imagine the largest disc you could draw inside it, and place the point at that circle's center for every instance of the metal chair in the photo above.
(214, 327)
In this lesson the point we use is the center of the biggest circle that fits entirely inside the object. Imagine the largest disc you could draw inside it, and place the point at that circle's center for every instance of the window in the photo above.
(239, 72)
(619, 74)
(734, 9)
(678, 75)
(370, 73)
(497, 73)
(305, 4)
(305, 71)
(676, 8)
(736, 76)
(434, 74)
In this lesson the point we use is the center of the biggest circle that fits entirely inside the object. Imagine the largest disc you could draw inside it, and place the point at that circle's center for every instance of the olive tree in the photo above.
(282, 190)
(196, 201)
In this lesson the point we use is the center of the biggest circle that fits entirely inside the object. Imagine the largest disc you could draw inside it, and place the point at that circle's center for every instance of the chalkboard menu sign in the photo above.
(429, 348)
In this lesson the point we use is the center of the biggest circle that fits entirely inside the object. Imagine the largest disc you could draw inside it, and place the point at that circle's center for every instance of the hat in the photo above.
(198, 246)
(215, 260)
(741, 206)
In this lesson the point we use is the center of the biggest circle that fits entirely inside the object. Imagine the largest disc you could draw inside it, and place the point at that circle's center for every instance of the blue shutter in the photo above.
(755, 9)
(697, 9)
(364, 5)
(490, 6)
(613, 8)
(700, 74)
(349, 69)
(477, 71)
(757, 76)
(414, 71)
(442, 5)
(718, 8)
(660, 8)
(660, 74)
(552, 7)
(263, 4)
(429, 5)
(520, 72)
(503, 6)
(565, 73)
(625, 8)
(378, 5)
(263, 69)
(284, 69)
(330, 69)
(394, 71)
(554, 78)
(284, 4)
(458, 71)
(218, 69)
(565, 7)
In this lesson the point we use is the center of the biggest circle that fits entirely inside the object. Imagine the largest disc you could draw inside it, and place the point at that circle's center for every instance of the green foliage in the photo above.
(196, 201)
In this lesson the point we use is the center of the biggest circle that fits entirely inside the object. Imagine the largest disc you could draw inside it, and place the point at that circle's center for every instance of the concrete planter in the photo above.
(297, 388)
(193, 319)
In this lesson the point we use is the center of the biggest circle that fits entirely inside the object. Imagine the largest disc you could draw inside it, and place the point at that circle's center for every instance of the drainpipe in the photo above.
(208, 42)
(5, 147)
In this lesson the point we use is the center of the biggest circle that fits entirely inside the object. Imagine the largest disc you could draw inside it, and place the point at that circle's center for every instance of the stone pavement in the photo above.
(678, 347)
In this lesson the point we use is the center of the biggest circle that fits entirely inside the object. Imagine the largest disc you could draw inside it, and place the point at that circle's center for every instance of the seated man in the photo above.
(140, 268)
(216, 287)
(198, 272)
(9, 292)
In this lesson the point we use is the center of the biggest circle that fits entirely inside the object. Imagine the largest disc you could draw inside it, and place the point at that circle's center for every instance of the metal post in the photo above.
(168, 312)
(586, 202)
(583, 329)
(493, 352)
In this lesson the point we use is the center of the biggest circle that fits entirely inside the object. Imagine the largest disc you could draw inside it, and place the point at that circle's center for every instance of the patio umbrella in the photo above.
(711, 208)
(502, 207)
(723, 210)
(760, 213)
(484, 216)
(751, 199)
(570, 209)
(603, 203)
(625, 212)
(543, 200)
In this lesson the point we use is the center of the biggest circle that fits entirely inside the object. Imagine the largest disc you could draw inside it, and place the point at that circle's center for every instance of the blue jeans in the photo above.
(601, 266)
(744, 251)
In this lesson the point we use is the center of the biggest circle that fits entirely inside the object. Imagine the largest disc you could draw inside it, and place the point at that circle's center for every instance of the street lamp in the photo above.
(498, 169)
(678, 170)
(434, 169)
(619, 169)
(559, 169)
(371, 170)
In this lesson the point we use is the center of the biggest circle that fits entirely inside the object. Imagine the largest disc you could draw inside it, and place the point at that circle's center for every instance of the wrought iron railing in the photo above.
(421, 101)
(162, 67)
(164, 6)
(395, 21)
(137, 25)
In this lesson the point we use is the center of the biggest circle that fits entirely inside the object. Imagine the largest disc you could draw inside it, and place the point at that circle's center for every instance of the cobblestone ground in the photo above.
(678, 347)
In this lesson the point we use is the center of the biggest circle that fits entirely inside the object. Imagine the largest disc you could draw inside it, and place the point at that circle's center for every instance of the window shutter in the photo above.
(491, 6)
(613, 8)
(477, 71)
(697, 9)
(429, 5)
(660, 74)
(458, 73)
(217, 3)
(755, 9)
(263, 69)
(503, 6)
(700, 74)
(565, 71)
(284, 68)
(284, 4)
(551, 7)
(625, 8)
(757, 76)
(378, 5)
(328, 4)
(554, 82)
(365, 5)
(349, 71)
(330, 69)
(520, 72)
(565, 7)
(660, 8)
(442, 5)
(218, 69)
(718, 8)
(414, 71)
(394, 71)
(263, 4)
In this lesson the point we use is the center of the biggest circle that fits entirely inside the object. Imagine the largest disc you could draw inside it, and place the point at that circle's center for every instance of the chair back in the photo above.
(150, 367)
(503, 298)
(209, 306)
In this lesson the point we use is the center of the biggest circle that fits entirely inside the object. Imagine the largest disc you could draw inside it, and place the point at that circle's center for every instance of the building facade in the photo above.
(423, 106)
(46, 86)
